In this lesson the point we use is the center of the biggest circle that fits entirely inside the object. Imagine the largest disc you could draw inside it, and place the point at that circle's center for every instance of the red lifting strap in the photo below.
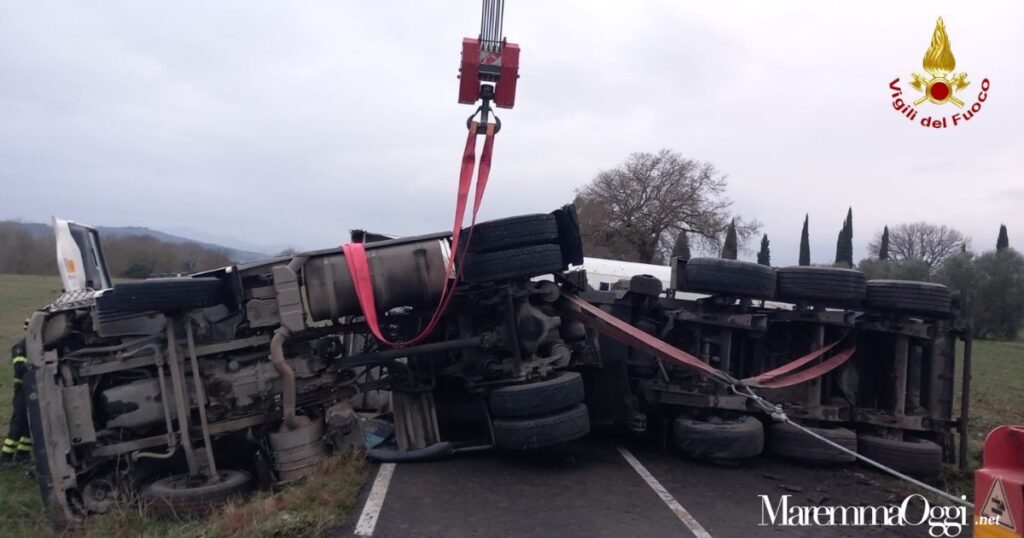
(777, 378)
(622, 331)
(605, 323)
(359, 268)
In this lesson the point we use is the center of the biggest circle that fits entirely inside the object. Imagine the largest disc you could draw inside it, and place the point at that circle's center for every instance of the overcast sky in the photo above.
(288, 123)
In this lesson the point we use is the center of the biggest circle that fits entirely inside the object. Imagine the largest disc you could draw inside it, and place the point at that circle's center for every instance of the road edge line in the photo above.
(375, 501)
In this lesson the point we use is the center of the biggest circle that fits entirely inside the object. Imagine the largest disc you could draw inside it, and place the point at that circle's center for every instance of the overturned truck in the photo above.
(189, 390)
(186, 391)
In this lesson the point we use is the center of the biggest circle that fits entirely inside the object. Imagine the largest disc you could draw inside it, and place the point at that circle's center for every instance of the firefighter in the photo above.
(18, 445)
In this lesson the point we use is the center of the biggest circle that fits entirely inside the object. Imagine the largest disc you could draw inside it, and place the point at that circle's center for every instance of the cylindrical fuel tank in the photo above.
(405, 272)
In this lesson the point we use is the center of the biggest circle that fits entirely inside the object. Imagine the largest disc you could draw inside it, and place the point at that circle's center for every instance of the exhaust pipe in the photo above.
(291, 421)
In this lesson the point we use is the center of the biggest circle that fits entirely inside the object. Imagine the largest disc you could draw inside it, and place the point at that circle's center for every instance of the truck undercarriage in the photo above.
(883, 356)
(187, 391)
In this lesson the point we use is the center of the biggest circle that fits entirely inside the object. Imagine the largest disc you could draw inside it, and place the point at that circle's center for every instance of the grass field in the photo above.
(306, 509)
(21, 513)
(997, 398)
(997, 389)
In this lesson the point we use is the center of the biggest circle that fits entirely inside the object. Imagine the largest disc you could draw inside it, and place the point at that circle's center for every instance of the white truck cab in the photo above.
(80, 257)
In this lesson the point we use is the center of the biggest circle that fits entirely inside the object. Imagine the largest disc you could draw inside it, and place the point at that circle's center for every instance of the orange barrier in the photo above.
(999, 485)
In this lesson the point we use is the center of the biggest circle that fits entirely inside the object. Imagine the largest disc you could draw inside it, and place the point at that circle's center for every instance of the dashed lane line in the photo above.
(680, 512)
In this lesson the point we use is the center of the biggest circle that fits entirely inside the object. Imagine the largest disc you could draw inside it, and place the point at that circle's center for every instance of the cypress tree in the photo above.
(729, 249)
(681, 248)
(848, 242)
(844, 243)
(764, 257)
(1003, 242)
(839, 243)
(883, 247)
(805, 244)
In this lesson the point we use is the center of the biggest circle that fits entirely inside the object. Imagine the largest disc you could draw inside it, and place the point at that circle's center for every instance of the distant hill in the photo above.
(115, 232)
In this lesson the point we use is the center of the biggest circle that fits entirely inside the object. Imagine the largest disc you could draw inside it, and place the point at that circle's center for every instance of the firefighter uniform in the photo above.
(18, 444)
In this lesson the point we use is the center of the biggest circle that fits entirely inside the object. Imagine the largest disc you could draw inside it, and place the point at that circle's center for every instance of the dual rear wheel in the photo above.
(522, 247)
(540, 414)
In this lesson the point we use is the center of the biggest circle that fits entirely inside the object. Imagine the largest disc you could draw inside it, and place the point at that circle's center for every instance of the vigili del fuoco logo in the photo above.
(940, 87)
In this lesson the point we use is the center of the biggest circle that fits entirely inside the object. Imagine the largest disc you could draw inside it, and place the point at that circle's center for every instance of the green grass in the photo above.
(21, 512)
(304, 509)
(997, 394)
(997, 397)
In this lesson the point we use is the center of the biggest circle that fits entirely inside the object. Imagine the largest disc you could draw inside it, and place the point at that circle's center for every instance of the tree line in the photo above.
(651, 207)
(991, 284)
(133, 256)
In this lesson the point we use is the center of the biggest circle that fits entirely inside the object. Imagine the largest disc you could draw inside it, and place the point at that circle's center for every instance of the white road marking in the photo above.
(671, 501)
(375, 500)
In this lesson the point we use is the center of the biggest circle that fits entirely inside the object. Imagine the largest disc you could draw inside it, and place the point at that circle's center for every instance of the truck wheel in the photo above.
(832, 285)
(174, 496)
(909, 297)
(562, 391)
(540, 432)
(569, 236)
(522, 262)
(789, 442)
(513, 232)
(729, 277)
(919, 457)
(163, 294)
(719, 438)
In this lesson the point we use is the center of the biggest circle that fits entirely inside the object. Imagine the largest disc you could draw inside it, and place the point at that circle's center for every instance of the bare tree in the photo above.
(930, 243)
(635, 211)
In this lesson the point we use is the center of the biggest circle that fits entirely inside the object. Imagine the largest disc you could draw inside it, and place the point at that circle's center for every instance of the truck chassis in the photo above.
(188, 391)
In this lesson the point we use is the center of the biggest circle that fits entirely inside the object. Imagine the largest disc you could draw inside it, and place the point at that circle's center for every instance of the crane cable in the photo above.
(492, 18)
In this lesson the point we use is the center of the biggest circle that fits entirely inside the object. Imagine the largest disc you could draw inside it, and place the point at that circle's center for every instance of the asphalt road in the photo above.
(589, 488)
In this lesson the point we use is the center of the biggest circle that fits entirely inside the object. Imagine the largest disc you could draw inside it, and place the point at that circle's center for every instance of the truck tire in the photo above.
(541, 432)
(569, 236)
(522, 262)
(909, 297)
(719, 439)
(513, 232)
(729, 277)
(787, 441)
(163, 294)
(831, 285)
(173, 496)
(919, 457)
(561, 391)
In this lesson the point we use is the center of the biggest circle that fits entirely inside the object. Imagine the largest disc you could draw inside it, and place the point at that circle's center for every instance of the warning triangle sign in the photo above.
(996, 507)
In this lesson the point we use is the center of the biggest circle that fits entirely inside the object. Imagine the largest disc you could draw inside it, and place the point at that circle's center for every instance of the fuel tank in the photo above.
(405, 272)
